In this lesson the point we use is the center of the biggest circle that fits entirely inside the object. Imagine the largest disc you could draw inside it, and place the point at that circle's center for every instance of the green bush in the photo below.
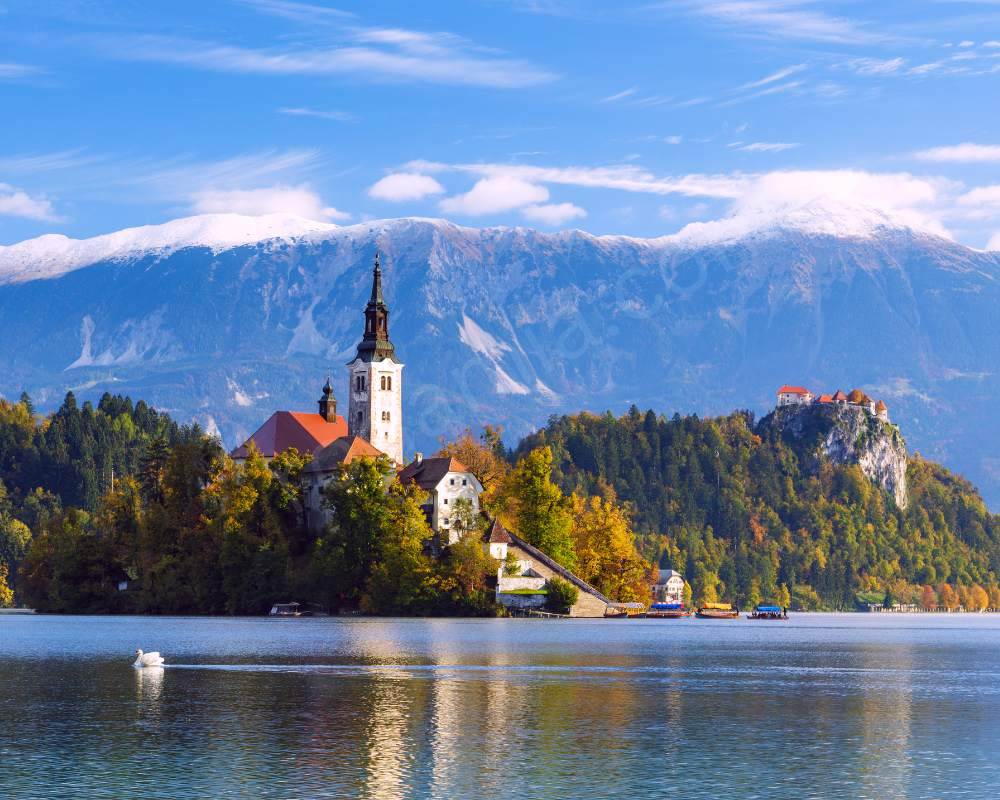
(562, 595)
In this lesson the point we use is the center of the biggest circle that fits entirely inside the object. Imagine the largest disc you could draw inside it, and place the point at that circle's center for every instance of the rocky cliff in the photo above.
(846, 435)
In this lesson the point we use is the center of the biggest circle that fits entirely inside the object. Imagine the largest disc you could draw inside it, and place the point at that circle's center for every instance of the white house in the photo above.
(446, 481)
(669, 587)
(794, 396)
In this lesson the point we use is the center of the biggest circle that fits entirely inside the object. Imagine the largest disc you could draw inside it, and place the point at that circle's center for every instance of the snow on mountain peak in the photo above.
(52, 255)
(818, 217)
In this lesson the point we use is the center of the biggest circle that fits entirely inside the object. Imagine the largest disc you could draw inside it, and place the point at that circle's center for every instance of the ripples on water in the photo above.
(823, 706)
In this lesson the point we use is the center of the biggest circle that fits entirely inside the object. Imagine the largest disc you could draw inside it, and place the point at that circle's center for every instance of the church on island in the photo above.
(373, 427)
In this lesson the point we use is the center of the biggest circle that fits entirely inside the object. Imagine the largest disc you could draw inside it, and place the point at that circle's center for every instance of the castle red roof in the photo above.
(881, 406)
(307, 433)
(826, 398)
(839, 397)
(793, 390)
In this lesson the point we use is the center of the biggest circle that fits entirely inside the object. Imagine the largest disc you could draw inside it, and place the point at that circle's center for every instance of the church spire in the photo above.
(377, 283)
(375, 344)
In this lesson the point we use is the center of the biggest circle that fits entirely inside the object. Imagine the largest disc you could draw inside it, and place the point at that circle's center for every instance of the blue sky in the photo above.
(634, 118)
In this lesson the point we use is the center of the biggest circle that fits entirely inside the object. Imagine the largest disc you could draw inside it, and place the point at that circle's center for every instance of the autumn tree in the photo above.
(485, 457)
(605, 550)
(543, 515)
(928, 598)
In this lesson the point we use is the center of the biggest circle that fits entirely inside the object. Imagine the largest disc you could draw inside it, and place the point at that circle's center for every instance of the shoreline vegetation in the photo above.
(115, 508)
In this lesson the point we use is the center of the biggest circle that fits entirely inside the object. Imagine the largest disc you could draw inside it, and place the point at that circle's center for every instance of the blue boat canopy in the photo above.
(769, 609)
(668, 606)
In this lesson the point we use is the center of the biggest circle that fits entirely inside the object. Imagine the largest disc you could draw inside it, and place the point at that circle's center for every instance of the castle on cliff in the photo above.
(800, 396)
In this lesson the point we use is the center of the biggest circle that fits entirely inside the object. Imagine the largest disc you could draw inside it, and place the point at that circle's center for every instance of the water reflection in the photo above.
(500, 708)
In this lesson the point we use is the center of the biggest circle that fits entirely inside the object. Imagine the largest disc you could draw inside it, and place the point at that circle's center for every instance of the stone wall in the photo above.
(587, 605)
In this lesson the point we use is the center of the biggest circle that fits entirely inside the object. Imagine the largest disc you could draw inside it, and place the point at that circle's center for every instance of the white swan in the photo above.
(147, 660)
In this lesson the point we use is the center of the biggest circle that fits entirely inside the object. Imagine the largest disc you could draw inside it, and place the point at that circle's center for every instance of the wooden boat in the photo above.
(768, 613)
(718, 611)
(623, 610)
(297, 610)
(667, 611)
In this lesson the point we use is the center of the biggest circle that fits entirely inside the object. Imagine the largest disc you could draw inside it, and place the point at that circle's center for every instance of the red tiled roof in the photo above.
(825, 398)
(839, 397)
(497, 534)
(307, 433)
(793, 390)
(881, 406)
(341, 451)
(428, 472)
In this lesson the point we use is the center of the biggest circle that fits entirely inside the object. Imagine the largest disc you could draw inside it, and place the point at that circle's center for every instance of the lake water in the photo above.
(821, 706)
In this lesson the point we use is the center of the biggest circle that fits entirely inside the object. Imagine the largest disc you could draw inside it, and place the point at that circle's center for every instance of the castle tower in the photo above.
(375, 380)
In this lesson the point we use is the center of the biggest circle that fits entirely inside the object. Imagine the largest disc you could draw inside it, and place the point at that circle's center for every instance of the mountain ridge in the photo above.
(509, 326)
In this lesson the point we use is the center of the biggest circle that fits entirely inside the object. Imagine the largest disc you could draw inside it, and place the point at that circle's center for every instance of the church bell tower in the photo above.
(375, 380)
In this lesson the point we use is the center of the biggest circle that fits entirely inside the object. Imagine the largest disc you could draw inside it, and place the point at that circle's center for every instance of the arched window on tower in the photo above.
(361, 416)
(388, 382)
(382, 383)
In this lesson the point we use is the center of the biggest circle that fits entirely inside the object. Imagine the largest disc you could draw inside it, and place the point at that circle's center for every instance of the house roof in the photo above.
(881, 406)
(307, 433)
(839, 397)
(553, 565)
(428, 472)
(497, 534)
(826, 398)
(341, 451)
(786, 389)
(667, 574)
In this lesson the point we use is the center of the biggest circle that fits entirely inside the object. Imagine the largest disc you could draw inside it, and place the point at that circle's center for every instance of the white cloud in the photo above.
(967, 43)
(620, 95)
(779, 89)
(875, 66)
(373, 53)
(625, 177)
(781, 74)
(495, 194)
(15, 202)
(673, 139)
(298, 200)
(337, 116)
(401, 186)
(782, 19)
(765, 147)
(994, 242)
(553, 213)
(11, 71)
(967, 152)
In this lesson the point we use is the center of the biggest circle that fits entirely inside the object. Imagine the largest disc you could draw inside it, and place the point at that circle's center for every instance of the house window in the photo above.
(359, 383)
(361, 416)
(388, 382)
(446, 501)
(452, 481)
(465, 482)
(383, 383)
(447, 521)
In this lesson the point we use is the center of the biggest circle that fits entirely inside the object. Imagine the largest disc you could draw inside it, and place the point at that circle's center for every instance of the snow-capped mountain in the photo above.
(225, 318)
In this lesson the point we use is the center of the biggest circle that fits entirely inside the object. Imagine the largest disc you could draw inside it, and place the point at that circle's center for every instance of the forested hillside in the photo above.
(743, 512)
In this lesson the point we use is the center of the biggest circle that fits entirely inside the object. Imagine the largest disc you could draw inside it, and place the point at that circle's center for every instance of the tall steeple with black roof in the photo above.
(375, 345)
(375, 378)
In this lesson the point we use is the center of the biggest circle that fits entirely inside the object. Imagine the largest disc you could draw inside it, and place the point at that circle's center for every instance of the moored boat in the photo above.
(667, 611)
(717, 611)
(768, 612)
